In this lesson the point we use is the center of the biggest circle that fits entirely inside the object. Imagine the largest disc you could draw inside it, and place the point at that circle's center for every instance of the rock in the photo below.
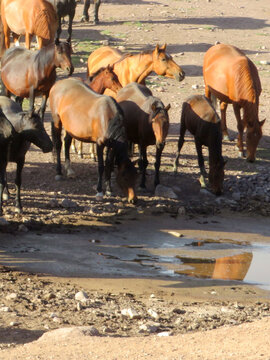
(12, 296)
(153, 314)
(181, 211)
(166, 192)
(130, 313)
(23, 228)
(69, 333)
(68, 204)
(81, 296)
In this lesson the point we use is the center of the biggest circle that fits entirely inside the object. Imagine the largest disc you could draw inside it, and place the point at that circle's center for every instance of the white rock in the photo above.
(81, 296)
(131, 313)
(153, 314)
(166, 192)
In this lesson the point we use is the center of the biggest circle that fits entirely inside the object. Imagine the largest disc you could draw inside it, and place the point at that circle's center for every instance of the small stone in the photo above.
(153, 314)
(22, 228)
(195, 86)
(131, 313)
(12, 296)
(5, 309)
(68, 204)
(81, 296)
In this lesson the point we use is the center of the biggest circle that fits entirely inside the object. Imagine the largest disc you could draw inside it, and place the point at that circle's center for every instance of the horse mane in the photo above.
(42, 56)
(95, 74)
(44, 20)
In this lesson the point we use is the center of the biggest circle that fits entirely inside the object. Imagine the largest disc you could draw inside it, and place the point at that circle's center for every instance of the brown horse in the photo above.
(231, 76)
(135, 68)
(201, 120)
(24, 71)
(91, 117)
(29, 17)
(146, 121)
(103, 79)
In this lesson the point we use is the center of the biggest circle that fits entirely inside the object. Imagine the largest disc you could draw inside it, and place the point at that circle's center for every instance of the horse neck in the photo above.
(97, 84)
(142, 66)
(45, 59)
(250, 112)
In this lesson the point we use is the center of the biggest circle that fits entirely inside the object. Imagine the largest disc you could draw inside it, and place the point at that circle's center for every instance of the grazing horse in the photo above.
(29, 17)
(103, 79)
(27, 128)
(146, 121)
(24, 71)
(64, 8)
(135, 68)
(231, 76)
(201, 120)
(86, 5)
(91, 117)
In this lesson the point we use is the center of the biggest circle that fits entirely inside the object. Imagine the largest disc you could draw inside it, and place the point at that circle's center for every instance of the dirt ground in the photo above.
(188, 28)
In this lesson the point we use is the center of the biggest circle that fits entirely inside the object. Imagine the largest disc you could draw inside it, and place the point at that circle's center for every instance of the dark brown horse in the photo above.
(136, 67)
(86, 5)
(64, 8)
(103, 79)
(29, 17)
(91, 117)
(24, 71)
(27, 128)
(201, 120)
(231, 76)
(146, 121)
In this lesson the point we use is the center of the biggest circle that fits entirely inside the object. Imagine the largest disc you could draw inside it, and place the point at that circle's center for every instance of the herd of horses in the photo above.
(130, 113)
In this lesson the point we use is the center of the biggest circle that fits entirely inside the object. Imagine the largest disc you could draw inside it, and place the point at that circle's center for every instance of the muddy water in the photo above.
(143, 248)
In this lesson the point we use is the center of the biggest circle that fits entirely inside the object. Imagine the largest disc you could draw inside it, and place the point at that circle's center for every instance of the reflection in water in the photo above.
(233, 267)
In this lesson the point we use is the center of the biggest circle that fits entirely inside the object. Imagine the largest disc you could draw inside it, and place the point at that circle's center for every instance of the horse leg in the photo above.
(16, 38)
(109, 167)
(97, 5)
(70, 173)
(85, 16)
(3, 181)
(57, 145)
(28, 39)
(6, 30)
(142, 165)
(70, 17)
(43, 106)
(92, 152)
(157, 163)
(59, 29)
(240, 127)
(100, 149)
(223, 108)
(18, 182)
(180, 143)
(200, 162)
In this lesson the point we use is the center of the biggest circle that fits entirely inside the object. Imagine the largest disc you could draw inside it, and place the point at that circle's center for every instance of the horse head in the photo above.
(254, 134)
(33, 131)
(160, 122)
(164, 65)
(63, 51)
(126, 179)
(216, 175)
(111, 80)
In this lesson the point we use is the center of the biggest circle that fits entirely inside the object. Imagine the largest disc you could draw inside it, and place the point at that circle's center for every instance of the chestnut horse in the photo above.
(146, 121)
(231, 76)
(135, 68)
(103, 79)
(29, 17)
(201, 120)
(24, 71)
(91, 117)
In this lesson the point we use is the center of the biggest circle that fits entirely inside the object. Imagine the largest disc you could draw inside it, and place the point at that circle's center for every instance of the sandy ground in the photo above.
(189, 29)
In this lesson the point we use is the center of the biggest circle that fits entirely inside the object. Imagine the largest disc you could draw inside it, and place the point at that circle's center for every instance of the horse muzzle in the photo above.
(180, 76)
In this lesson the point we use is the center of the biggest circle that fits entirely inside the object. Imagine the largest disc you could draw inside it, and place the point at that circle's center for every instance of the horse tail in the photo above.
(45, 23)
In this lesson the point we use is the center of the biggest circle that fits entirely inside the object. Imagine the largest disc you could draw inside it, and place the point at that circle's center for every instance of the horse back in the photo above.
(230, 75)
(102, 57)
(134, 92)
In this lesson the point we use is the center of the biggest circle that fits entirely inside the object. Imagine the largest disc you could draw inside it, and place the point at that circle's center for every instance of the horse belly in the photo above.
(14, 19)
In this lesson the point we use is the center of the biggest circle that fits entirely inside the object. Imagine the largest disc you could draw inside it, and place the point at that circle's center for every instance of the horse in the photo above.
(27, 128)
(135, 68)
(232, 77)
(103, 79)
(86, 5)
(146, 121)
(201, 120)
(91, 117)
(64, 8)
(37, 70)
(29, 17)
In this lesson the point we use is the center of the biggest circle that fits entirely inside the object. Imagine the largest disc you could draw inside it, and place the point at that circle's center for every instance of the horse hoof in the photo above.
(71, 174)
(202, 182)
(241, 154)
(226, 138)
(58, 177)
(18, 210)
(133, 200)
(99, 196)
(108, 193)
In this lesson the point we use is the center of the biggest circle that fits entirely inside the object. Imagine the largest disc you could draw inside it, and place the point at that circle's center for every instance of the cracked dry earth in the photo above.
(42, 317)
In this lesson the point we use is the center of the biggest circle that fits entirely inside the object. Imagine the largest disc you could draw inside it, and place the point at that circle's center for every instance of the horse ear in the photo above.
(262, 122)
(156, 49)
(167, 108)
(154, 106)
(163, 47)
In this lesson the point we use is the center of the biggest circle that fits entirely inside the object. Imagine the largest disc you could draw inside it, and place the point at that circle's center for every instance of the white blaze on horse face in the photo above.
(17, 43)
